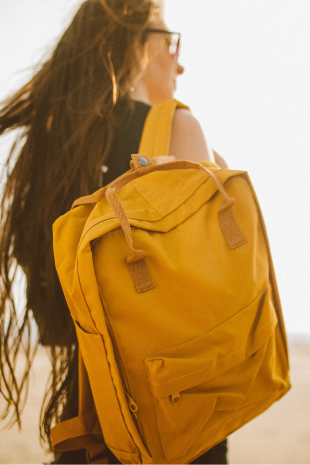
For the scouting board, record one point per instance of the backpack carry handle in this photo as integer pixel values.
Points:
(136, 260)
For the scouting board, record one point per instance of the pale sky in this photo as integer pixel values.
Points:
(247, 81)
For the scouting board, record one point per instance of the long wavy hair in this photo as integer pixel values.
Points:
(67, 117)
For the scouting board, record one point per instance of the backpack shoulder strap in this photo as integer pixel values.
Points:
(155, 140)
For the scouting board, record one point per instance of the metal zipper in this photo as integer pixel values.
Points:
(117, 354)
(131, 403)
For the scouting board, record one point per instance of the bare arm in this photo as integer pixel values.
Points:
(187, 139)
(219, 160)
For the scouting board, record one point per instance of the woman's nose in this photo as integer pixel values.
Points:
(180, 69)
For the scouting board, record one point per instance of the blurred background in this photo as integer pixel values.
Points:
(247, 73)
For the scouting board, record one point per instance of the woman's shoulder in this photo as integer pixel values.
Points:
(187, 138)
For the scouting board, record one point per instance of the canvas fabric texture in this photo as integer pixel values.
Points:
(169, 279)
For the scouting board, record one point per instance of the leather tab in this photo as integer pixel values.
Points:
(140, 275)
(163, 159)
(230, 229)
(139, 162)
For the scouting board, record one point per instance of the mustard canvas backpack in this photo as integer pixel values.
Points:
(168, 276)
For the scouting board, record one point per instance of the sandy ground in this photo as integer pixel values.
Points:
(279, 436)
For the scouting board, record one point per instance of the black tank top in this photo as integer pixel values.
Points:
(126, 142)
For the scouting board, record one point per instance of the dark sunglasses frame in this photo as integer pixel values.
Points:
(173, 47)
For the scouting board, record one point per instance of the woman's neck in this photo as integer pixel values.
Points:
(140, 93)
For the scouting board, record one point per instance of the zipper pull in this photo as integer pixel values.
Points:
(176, 398)
(132, 405)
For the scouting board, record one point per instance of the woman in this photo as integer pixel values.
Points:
(80, 117)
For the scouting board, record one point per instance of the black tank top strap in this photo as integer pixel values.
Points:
(126, 142)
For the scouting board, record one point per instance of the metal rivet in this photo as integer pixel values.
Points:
(142, 161)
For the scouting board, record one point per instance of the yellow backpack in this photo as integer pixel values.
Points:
(169, 279)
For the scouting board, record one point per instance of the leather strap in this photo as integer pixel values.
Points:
(136, 263)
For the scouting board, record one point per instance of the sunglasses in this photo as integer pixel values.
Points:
(173, 40)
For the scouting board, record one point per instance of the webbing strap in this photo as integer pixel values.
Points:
(77, 433)
(156, 135)
(82, 432)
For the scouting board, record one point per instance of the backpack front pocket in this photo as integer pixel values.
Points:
(213, 372)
